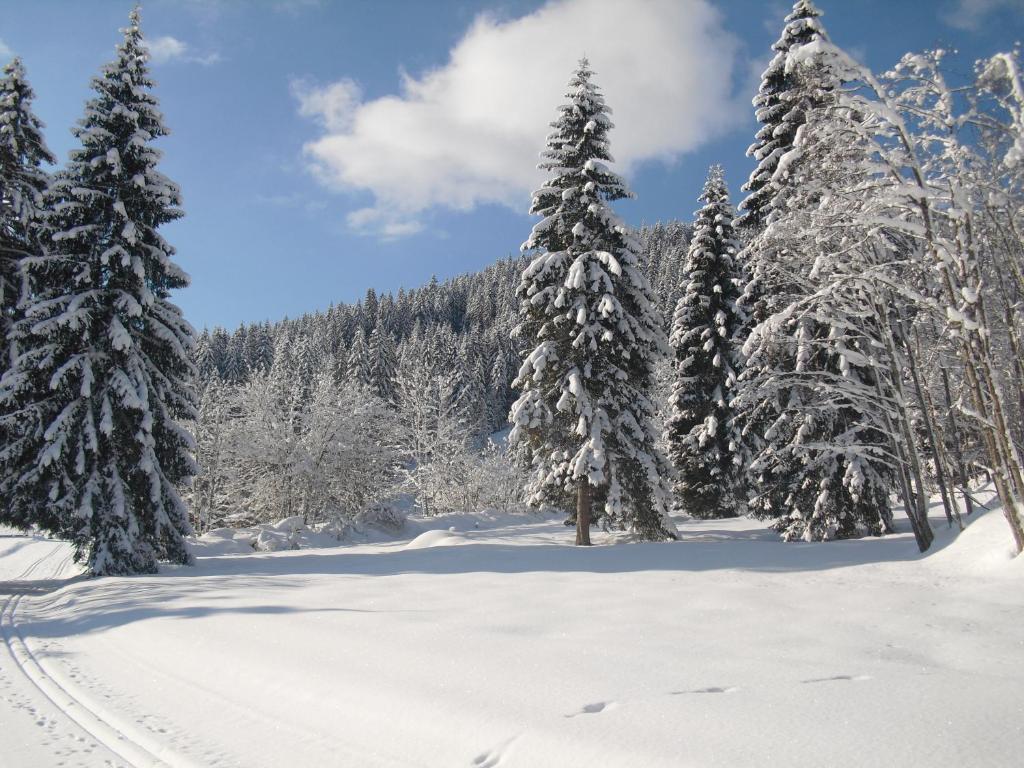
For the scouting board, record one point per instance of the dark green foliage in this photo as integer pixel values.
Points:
(706, 362)
(104, 380)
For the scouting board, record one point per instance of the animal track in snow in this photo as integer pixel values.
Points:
(854, 678)
(712, 689)
(493, 757)
(593, 709)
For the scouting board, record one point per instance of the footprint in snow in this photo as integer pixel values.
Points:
(593, 709)
(854, 678)
(493, 757)
(712, 689)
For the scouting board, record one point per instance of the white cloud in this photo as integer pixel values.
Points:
(333, 105)
(470, 131)
(970, 14)
(163, 49)
(166, 48)
(5, 50)
(385, 224)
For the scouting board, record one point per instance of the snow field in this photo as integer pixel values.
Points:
(513, 649)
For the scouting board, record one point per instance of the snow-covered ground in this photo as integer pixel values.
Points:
(497, 644)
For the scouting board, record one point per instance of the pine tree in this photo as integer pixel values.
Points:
(706, 362)
(383, 364)
(105, 375)
(816, 382)
(789, 97)
(774, 109)
(259, 348)
(584, 411)
(471, 385)
(358, 370)
(22, 182)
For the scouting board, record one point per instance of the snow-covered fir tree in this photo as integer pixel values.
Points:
(471, 384)
(383, 363)
(593, 335)
(789, 97)
(22, 182)
(706, 363)
(358, 368)
(104, 377)
(774, 105)
(823, 466)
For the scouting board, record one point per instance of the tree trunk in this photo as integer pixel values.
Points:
(584, 495)
(958, 454)
(917, 515)
(925, 403)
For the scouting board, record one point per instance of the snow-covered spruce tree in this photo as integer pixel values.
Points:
(774, 109)
(105, 373)
(22, 182)
(358, 369)
(821, 360)
(704, 327)
(584, 413)
(788, 98)
(383, 363)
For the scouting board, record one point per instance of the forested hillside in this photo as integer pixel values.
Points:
(444, 349)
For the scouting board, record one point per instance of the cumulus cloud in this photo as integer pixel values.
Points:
(469, 132)
(163, 49)
(969, 14)
(166, 48)
(332, 105)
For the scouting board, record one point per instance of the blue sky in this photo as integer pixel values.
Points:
(327, 147)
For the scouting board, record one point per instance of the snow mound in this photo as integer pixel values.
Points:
(377, 524)
(223, 541)
(984, 548)
(437, 538)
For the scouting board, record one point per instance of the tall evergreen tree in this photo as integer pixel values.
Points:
(774, 104)
(789, 98)
(383, 364)
(815, 384)
(706, 361)
(358, 369)
(471, 384)
(105, 376)
(22, 182)
(584, 411)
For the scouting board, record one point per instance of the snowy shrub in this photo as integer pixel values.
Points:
(382, 515)
(277, 446)
(495, 482)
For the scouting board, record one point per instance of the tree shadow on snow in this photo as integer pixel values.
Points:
(105, 604)
(699, 549)
(219, 585)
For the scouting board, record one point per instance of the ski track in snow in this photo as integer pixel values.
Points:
(74, 704)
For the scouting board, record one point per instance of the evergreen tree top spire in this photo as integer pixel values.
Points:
(21, 132)
(773, 108)
(715, 189)
(576, 153)
(802, 26)
(804, 9)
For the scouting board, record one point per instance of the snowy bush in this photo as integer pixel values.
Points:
(274, 447)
